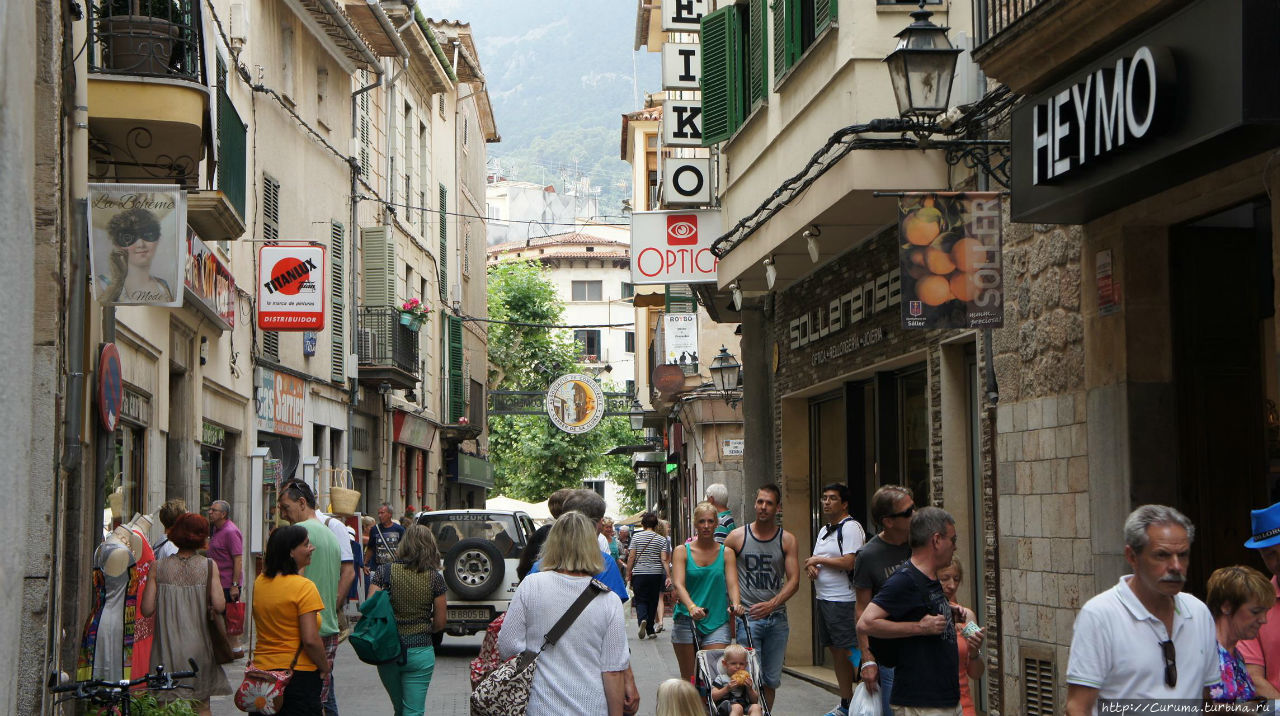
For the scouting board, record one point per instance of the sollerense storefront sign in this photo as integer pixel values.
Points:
(674, 247)
(291, 288)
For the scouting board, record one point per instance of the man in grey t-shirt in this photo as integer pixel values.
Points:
(891, 510)
(762, 575)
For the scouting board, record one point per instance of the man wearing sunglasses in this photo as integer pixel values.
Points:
(1145, 638)
(891, 510)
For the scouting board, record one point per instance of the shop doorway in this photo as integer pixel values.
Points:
(828, 463)
(1221, 289)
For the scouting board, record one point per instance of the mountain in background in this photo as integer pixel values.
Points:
(560, 75)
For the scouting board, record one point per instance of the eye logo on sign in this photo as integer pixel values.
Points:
(575, 403)
(682, 230)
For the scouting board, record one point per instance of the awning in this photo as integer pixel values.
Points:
(648, 459)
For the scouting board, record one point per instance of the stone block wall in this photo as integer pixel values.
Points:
(1043, 531)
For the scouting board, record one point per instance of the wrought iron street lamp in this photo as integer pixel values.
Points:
(636, 414)
(725, 372)
(922, 68)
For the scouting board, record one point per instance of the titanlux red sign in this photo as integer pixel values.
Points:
(291, 288)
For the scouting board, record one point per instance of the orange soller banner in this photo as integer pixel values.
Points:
(950, 255)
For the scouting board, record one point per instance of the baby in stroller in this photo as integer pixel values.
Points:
(732, 690)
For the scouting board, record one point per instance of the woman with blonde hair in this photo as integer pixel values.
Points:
(417, 592)
(564, 682)
(678, 697)
(971, 665)
(701, 592)
(1239, 599)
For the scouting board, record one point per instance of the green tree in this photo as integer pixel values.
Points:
(531, 457)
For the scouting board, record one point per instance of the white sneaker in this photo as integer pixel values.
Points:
(838, 711)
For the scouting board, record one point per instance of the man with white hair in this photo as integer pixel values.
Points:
(718, 495)
(1145, 638)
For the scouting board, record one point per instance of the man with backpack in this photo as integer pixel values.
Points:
(831, 569)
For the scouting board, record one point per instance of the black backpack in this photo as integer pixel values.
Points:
(888, 652)
(840, 543)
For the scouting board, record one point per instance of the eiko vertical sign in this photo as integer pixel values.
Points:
(291, 290)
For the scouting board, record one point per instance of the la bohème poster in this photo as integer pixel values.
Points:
(137, 243)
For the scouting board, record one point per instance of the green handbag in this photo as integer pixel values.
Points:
(375, 637)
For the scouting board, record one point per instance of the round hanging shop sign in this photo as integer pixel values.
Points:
(576, 403)
(110, 387)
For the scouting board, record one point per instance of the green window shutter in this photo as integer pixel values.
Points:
(337, 304)
(824, 13)
(795, 31)
(378, 249)
(457, 395)
(757, 53)
(232, 133)
(779, 39)
(443, 258)
(721, 82)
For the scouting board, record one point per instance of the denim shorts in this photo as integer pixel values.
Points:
(682, 632)
(769, 636)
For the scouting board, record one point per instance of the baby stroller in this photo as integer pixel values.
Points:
(707, 665)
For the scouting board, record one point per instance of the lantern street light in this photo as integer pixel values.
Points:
(922, 68)
(725, 373)
(636, 414)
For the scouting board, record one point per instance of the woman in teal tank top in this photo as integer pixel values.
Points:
(700, 586)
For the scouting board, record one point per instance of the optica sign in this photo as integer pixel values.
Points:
(291, 288)
(673, 247)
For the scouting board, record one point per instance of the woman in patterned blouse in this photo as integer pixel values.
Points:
(1239, 599)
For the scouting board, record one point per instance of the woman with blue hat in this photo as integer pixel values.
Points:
(1262, 654)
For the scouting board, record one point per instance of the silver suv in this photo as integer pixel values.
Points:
(481, 549)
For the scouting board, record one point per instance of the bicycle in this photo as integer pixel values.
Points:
(118, 696)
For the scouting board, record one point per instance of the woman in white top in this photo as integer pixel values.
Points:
(595, 643)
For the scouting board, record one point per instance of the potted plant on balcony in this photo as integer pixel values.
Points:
(414, 313)
(138, 35)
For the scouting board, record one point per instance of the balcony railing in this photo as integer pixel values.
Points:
(383, 342)
(997, 15)
(146, 38)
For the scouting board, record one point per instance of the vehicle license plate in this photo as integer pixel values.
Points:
(468, 613)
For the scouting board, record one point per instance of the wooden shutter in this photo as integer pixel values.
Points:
(779, 40)
(721, 82)
(337, 304)
(232, 134)
(365, 140)
(794, 31)
(378, 249)
(457, 399)
(757, 54)
(443, 258)
(271, 345)
(824, 14)
(270, 209)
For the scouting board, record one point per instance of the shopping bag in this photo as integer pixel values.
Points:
(235, 618)
(864, 703)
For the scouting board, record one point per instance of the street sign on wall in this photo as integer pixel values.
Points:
(674, 246)
(950, 260)
(281, 399)
(110, 387)
(291, 288)
(680, 338)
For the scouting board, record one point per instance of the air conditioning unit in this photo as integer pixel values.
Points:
(367, 344)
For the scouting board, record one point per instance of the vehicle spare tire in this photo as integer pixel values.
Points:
(474, 568)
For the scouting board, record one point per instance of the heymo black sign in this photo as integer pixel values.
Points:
(1192, 94)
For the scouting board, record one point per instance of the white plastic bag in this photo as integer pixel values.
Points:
(864, 703)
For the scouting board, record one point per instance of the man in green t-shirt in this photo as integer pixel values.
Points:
(297, 504)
